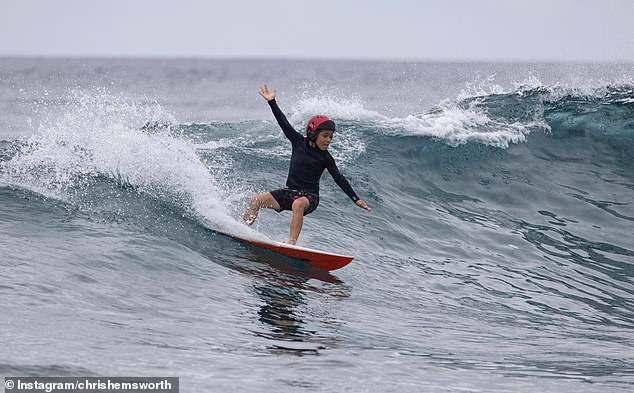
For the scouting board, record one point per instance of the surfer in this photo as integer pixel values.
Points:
(309, 158)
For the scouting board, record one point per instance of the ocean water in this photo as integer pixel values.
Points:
(499, 256)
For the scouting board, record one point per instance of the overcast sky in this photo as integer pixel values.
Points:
(366, 29)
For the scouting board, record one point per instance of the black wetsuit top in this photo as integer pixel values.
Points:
(307, 162)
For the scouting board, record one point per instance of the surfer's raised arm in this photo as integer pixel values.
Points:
(287, 128)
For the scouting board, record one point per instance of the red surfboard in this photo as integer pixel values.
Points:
(320, 259)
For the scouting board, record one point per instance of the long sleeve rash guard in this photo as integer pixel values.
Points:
(307, 162)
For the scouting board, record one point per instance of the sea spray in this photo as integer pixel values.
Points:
(102, 134)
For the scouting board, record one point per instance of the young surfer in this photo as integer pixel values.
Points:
(309, 158)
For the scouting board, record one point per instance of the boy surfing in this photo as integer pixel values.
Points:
(309, 158)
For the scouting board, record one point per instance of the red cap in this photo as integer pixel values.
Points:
(315, 122)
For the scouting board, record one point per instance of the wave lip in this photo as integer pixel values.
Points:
(100, 134)
(488, 114)
(457, 126)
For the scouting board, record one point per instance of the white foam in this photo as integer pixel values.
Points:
(480, 87)
(449, 122)
(99, 133)
(457, 126)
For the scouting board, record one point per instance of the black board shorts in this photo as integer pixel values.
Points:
(286, 196)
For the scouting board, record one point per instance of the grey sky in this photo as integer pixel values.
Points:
(367, 29)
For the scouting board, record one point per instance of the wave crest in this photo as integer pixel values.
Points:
(100, 134)
(486, 113)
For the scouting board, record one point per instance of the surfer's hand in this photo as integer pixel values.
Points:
(268, 95)
(361, 203)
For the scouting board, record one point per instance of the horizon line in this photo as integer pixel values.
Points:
(310, 58)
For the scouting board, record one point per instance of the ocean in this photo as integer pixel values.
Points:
(499, 256)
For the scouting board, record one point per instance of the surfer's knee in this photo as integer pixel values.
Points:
(300, 205)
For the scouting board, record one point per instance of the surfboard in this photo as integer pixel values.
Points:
(316, 258)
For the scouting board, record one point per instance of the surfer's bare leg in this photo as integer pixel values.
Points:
(255, 203)
(299, 207)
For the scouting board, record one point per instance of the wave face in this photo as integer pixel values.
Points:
(499, 248)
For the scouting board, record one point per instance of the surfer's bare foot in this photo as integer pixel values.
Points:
(248, 220)
(291, 241)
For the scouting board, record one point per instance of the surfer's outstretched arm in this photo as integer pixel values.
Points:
(343, 183)
(287, 128)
